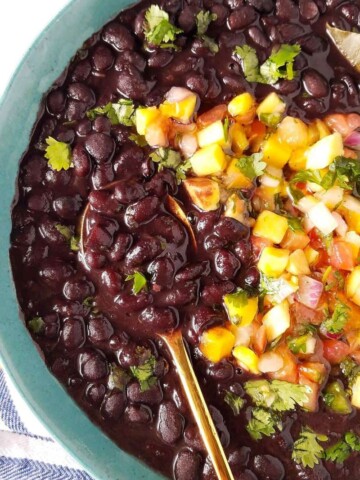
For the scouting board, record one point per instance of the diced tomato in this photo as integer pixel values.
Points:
(259, 339)
(335, 351)
(314, 371)
(294, 240)
(259, 243)
(341, 255)
(316, 241)
(303, 314)
(289, 372)
(212, 115)
(256, 133)
(313, 391)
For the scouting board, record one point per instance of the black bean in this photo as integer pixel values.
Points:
(191, 272)
(99, 329)
(220, 425)
(230, 229)
(160, 59)
(170, 423)
(213, 294)
(312, 44)
(57, 179)
(99, 237)
(221, 372)
(95, 393)
(262, 6)
(82, 93)
(111, 280)
(68, 207)
(234, 4)
(127, 163)
(143, 251)
(158, 319)
(102, 125)
(56, 101)
(197, 83)
(32, 172)
(120, 246)
(78, 289)
(73, 333)
(162, 183)
(289, 31)
(54, 271)
(113, 405)
(50, 233)
(132, 84)
(94, 259)
(314, 83)
(141, 212)
(130, 57)
(102, 58)
(308, 9)
(92, 365)
(179, 295)
(286, 10)
(193, 438)
(187, 465)
(238, 459)
(118, 36)
(162, 272)
(351, 13)
(103, 175)
(38, 202)
(226, 264)
(220, 11)
(251, 278)
(241, 18)
(127, 192)
(133, 303)
(75, 110)
(258, 37)
(100, 146)
(206, 222)
(187, 18)
(313, 107)
(268, 467)
(138, 414)
(243, 251)
(151, 396)
(81, 71)
(139, 24)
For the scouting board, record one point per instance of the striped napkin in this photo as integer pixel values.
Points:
(26, 450)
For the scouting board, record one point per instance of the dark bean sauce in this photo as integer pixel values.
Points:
(130, 226)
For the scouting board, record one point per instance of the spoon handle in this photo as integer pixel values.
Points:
(176, 346)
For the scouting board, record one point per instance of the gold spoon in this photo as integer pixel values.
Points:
(175, 344)
(348, 44)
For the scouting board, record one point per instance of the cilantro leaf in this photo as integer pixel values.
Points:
(350, 369)
(138, 139)
(345, 172)
(280, 64)
(262, 423)
(168, 158)
(338, 452)
(234, 401)
(139, 282)
(338, 320)
(294, 223)
(278, 395)
(249, 63)
(252, 166)
(312, 176)
(74, 243)
(121, 112)
(67, 234)
(203, 20)
(277, 288)
(36, 325)
(58, 154)
(307, 450)
(144, 373)
(118, 378)
(158, 29)
(234, 303)
(298, 344)
(88, 302)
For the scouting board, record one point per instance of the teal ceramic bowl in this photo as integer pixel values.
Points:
(43, 63)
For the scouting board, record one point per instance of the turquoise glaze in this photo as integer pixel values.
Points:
(43, 63)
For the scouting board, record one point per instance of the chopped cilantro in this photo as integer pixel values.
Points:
(67, 234)
(312, 176)
(294, 223)
(338, 282)
(234, 401)
(58, 154)
(262, 423)
(139, 282)
(118, 378)
(203, 20)
(307, 450)
(234, 303)
(74, 243)
(350, 369)
(278, 66)
(298, 344)
(345, 172)
(88, 302)
(168, 158)
(121, 112)
(158, 29)
(144, 373)
(278, 395)
(36, 325)
(138, 139)
(251, 166)
(277, 288)
(338, 320)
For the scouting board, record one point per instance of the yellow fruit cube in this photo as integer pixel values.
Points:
(276, 153)
(298, 264)
(312, 255)
(352, 286)
(270, 225)
(239, 140)
(332, 197)
(213, 133)
(353, 239)
(203, 192)
(208, 160)
(297, 160)
(293, 132)
(322, 128)
(145, 117)
(181, 111)
(271, 109)
(247, 359)
(241, 104)
(217, 343)
(355, 388)
(277, 321)
(350, 209)
(234, 178)
(324, 152)
(241, 309)
(273, 261)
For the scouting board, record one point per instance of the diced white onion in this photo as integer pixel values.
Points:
(305, 204)
(310, 345)
(188, 144)
(243, 335)
(269, 181)
(321, 217)
(177, 94)
(270, 362)
(274, 172)
(342, 226)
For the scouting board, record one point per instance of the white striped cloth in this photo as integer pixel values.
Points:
(27, 452)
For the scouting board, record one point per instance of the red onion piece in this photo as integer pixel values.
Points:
(353, 140)
(310, 291)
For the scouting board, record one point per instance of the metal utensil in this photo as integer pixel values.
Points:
(348, 44)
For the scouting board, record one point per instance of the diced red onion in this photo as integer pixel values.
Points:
(310, 291)
(342, 227)
(333, 336)
(353, 140)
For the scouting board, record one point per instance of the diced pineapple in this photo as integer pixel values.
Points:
(241, 104)
(332, 197)
(353, 239)
(277, 321)
(297, 160)
(239, 140)
(182, 110)
(235, 207)
(213, 133)
(352, 286)
(145, 117)
(234, 178)
(350, 209)
(240, 308)
(247, 359)
(321, 217)
(355, 397)
(208, 160)
(271, 109)
(298, 264)
(273, 261)
(217, 343)
(295, 239)
(293, 132)
(313, 133)
(322, 128)
(324, 152)
(271, 226)
(312, 255)
(203, 192)
(276, 153)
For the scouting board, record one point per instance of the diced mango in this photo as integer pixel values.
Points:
(241, 104)
(355, 397)
(203, 192)
(247, 359)
(241, 309)
(276, 153)
(295, 239)
(213, 133)
(217, 343)
(234, 178)
(271, 226)
(313, 133)
(277, 321)
(208, 160)
(352, 286)
(239, 140)
(297, 160)
(235, 207)
(145, 117)
(322, 128)
(353, 239)
(350, 209)
(298, 264)
(273, 261)
(293, 132)
(332, 197)
(312, 255)
(324, 152)
(271, 109)
(181, 111)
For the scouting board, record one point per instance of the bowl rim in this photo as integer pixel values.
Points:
(19, 355)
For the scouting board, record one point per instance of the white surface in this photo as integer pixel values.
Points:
(21, 21)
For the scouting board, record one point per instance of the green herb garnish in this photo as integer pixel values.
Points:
(144, 373)
(36, 325)
(58, 154)
(307, 450)
(158, 29)
(139, 282)
(251, 166)
(338, 320)
(168, 158)
(118, 378)
(67, 234)
(263, 423)
(234, 401)
(340, 451)
(278, 395)
(203, 20)
(122, 112)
